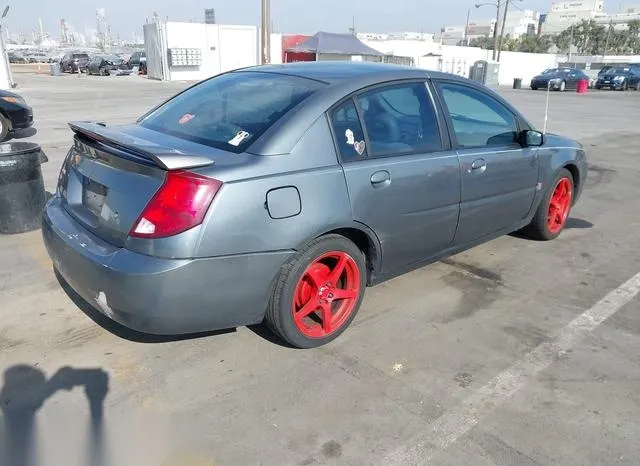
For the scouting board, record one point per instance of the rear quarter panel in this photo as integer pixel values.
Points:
(238, 221)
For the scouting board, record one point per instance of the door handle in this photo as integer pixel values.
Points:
(380, 177)
(478, 165)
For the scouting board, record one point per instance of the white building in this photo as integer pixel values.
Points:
(564, 14)
(519, 23)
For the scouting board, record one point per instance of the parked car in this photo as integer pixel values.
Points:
(14, 114)
(17, 59)
(280, 192)
(620, 79)
(38, 57)
(74, 62)
(137, 58)
(559, 79)
(106, 65)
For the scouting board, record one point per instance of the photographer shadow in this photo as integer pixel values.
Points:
(23, 393)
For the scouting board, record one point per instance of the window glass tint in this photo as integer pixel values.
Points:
(348, 129)
(400, 119)
(230, 111)
(478, 119)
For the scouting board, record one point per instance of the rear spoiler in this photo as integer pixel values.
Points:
(162, 156)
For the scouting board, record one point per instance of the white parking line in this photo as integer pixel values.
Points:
(456, 422)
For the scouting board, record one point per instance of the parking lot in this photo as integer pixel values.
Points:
(515, 352)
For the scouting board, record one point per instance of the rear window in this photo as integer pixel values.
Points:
(232, 110)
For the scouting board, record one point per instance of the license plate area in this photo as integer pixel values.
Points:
(93, 196)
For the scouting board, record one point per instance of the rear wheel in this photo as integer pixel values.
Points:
(553, 212)
(638, 86)
(563, 86)
(318, 292)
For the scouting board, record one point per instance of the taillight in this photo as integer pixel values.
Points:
(180, 204)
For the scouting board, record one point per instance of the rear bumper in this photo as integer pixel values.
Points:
(156, 295)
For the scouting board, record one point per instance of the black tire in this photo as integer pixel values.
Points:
(104, 72)
(4, 128)
(534, 88)
(638, 86)
(563, 86)
(279, 316)
(539, 227)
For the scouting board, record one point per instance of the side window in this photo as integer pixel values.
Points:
(348, 129)
(478, 119)
(400, 119)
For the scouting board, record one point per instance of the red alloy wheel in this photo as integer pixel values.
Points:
(559, 205)
(326, 294)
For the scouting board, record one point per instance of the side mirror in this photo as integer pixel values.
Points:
(532, 138)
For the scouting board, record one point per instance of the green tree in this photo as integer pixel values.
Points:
(534, 44)
(485, 43)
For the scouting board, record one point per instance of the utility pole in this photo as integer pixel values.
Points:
(266, 32)
(570, 42)
(495, 31)
(504, 21)
(466, 28)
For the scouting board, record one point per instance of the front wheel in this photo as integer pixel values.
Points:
(318, 292)
(553, 212)
(563, 86)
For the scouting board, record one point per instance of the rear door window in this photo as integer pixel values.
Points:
(400, 119)
(232, 110)
(348, 131)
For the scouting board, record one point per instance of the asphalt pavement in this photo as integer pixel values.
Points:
(516, 352)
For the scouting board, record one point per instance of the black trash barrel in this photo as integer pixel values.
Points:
(22, 194)
(517, 83)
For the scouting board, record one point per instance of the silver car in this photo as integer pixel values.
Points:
(279, 193)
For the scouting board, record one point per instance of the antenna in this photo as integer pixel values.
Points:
(546, 108)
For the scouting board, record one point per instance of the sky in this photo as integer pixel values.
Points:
(289, 16)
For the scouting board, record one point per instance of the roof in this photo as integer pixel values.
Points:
(333, 72)
(337, 44)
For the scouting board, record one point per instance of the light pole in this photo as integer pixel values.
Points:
(495, 29)
(266, 32)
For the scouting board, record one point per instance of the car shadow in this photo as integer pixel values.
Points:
(572, 224)
(24, 391)
(123, 332)
(263, 331)
(578, 224)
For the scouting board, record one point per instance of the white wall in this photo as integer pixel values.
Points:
(237, 47)
(223, 48)
(458, 60)
(198, 36)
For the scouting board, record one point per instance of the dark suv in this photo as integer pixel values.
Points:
(74, 62)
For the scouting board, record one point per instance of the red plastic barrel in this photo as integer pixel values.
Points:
(583, 85)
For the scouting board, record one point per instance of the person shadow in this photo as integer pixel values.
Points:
(24, 391)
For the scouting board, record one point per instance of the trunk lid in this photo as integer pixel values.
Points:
(110, 175)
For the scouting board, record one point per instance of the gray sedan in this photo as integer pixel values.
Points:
(279, 193)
